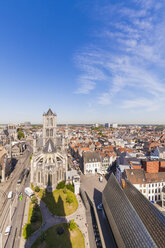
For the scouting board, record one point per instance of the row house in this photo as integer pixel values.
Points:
(125, 161)
(5, 164)
(91, 162)
(107, 160)
(158, 153)
(149, 184)
(18, 149)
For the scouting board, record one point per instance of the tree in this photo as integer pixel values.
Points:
(34, 199)
(70, 187)
(20, 134)
(37, 189)
(69, 198)
(42, 236)
(72, 225)
(60, 185)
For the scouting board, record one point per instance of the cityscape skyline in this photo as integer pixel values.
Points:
(103, 60)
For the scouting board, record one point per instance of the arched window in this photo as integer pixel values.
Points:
(51, 132)
(47, 132)
(38, 177)
(46, 181)
(47, 122)
(51, 121)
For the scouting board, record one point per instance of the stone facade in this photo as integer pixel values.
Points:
(49, 162)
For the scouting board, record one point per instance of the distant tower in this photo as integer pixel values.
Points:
(49, 127)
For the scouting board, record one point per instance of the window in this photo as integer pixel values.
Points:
(51, 132)
(144, 185)
(155, 190)
(38, 177)
(51, 121)
(155, 184)
(149, 191)
(47, 132)
(149, 185)
(144, 191)
(149, 198)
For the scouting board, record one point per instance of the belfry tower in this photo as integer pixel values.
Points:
(49, 127)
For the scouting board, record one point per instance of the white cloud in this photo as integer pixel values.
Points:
(134, 57)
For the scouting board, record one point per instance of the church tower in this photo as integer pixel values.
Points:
(49, 127)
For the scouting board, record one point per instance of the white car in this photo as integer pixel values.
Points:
(10, 195)
(8, 229)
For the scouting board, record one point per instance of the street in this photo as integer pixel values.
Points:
(94, 188)
(11, 210)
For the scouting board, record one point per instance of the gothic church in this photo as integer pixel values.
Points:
(49, 160)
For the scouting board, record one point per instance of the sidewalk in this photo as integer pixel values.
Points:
(50, 220)
(25, 220)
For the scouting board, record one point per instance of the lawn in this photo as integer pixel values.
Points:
(34, 220)
(69, 239)
(60, 202)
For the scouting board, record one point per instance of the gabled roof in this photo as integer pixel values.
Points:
(49, 113)
(151, 217)
(49, 147)
(128, 229)
(161, 149)
(91, 157)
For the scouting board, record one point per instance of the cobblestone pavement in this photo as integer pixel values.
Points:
(94, 189)
(50, 220)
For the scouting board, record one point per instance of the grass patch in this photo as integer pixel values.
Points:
(34, 220)
(60, 202)
(69, 239)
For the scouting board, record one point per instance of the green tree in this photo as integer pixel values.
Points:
(69, 198)
(61, 185)
(72, 225)
(70, 187)
(20, 134)
(34, 199)
(42, 236)
(37, 189)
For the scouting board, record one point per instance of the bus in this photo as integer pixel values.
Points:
(28, 191)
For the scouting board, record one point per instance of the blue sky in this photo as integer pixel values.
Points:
(90, 61)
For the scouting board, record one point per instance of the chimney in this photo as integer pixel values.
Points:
(123, 183)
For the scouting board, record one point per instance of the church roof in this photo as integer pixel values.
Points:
(49, 147)
(131, 222)
(49, 112)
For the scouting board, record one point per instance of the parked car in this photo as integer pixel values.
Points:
(101, 179)
(8, 229)
(10, 195)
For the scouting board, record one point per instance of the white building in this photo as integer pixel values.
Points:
(149, 184)
(91, 162)
(114, 125)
